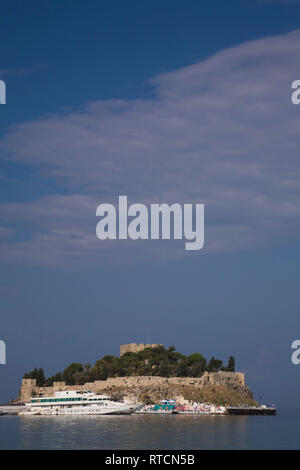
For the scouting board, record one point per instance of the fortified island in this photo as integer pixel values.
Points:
(147, 373)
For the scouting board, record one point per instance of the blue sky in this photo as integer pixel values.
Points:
(165, 102)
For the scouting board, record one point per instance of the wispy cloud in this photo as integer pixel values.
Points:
(20, 71)
(222, 131)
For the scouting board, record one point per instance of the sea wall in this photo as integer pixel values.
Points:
(137, 387)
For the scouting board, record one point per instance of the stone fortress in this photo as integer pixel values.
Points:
(214, 387)
(134, 386)
(136, 347)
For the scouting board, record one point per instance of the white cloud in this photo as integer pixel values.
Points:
(222, 131)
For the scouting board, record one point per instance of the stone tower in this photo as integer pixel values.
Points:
(136, 347)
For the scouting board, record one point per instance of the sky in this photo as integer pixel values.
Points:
(186, 102)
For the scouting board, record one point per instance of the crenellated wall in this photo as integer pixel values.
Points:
(230, 380)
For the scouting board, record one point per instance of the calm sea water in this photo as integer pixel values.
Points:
(152, 432)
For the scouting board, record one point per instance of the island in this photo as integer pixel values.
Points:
(147, 373)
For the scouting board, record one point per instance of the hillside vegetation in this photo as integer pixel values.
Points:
(157, 361)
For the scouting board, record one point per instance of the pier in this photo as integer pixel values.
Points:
(11, 409)
(251, 410)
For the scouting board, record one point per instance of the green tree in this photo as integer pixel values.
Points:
(54, 378)
(231, 364)
(157, 361)
(69, 374)
(214, 365)
(37, 374)
(182, 368)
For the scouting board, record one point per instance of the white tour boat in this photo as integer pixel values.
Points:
(75, 402)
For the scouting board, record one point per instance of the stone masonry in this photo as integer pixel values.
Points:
(135, 347)
(135, 383)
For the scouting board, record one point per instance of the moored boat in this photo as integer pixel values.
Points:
(75, 402)
(262, 410)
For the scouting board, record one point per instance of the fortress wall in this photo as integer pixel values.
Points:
(136, 347)
(228, 379)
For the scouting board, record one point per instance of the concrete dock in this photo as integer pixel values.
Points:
(11, 409)
(252, 410)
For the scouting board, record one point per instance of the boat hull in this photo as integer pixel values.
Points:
(125, 411)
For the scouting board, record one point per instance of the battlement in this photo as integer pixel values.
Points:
(139, 384)
(136, 347)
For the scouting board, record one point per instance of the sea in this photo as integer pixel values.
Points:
(161, 432)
